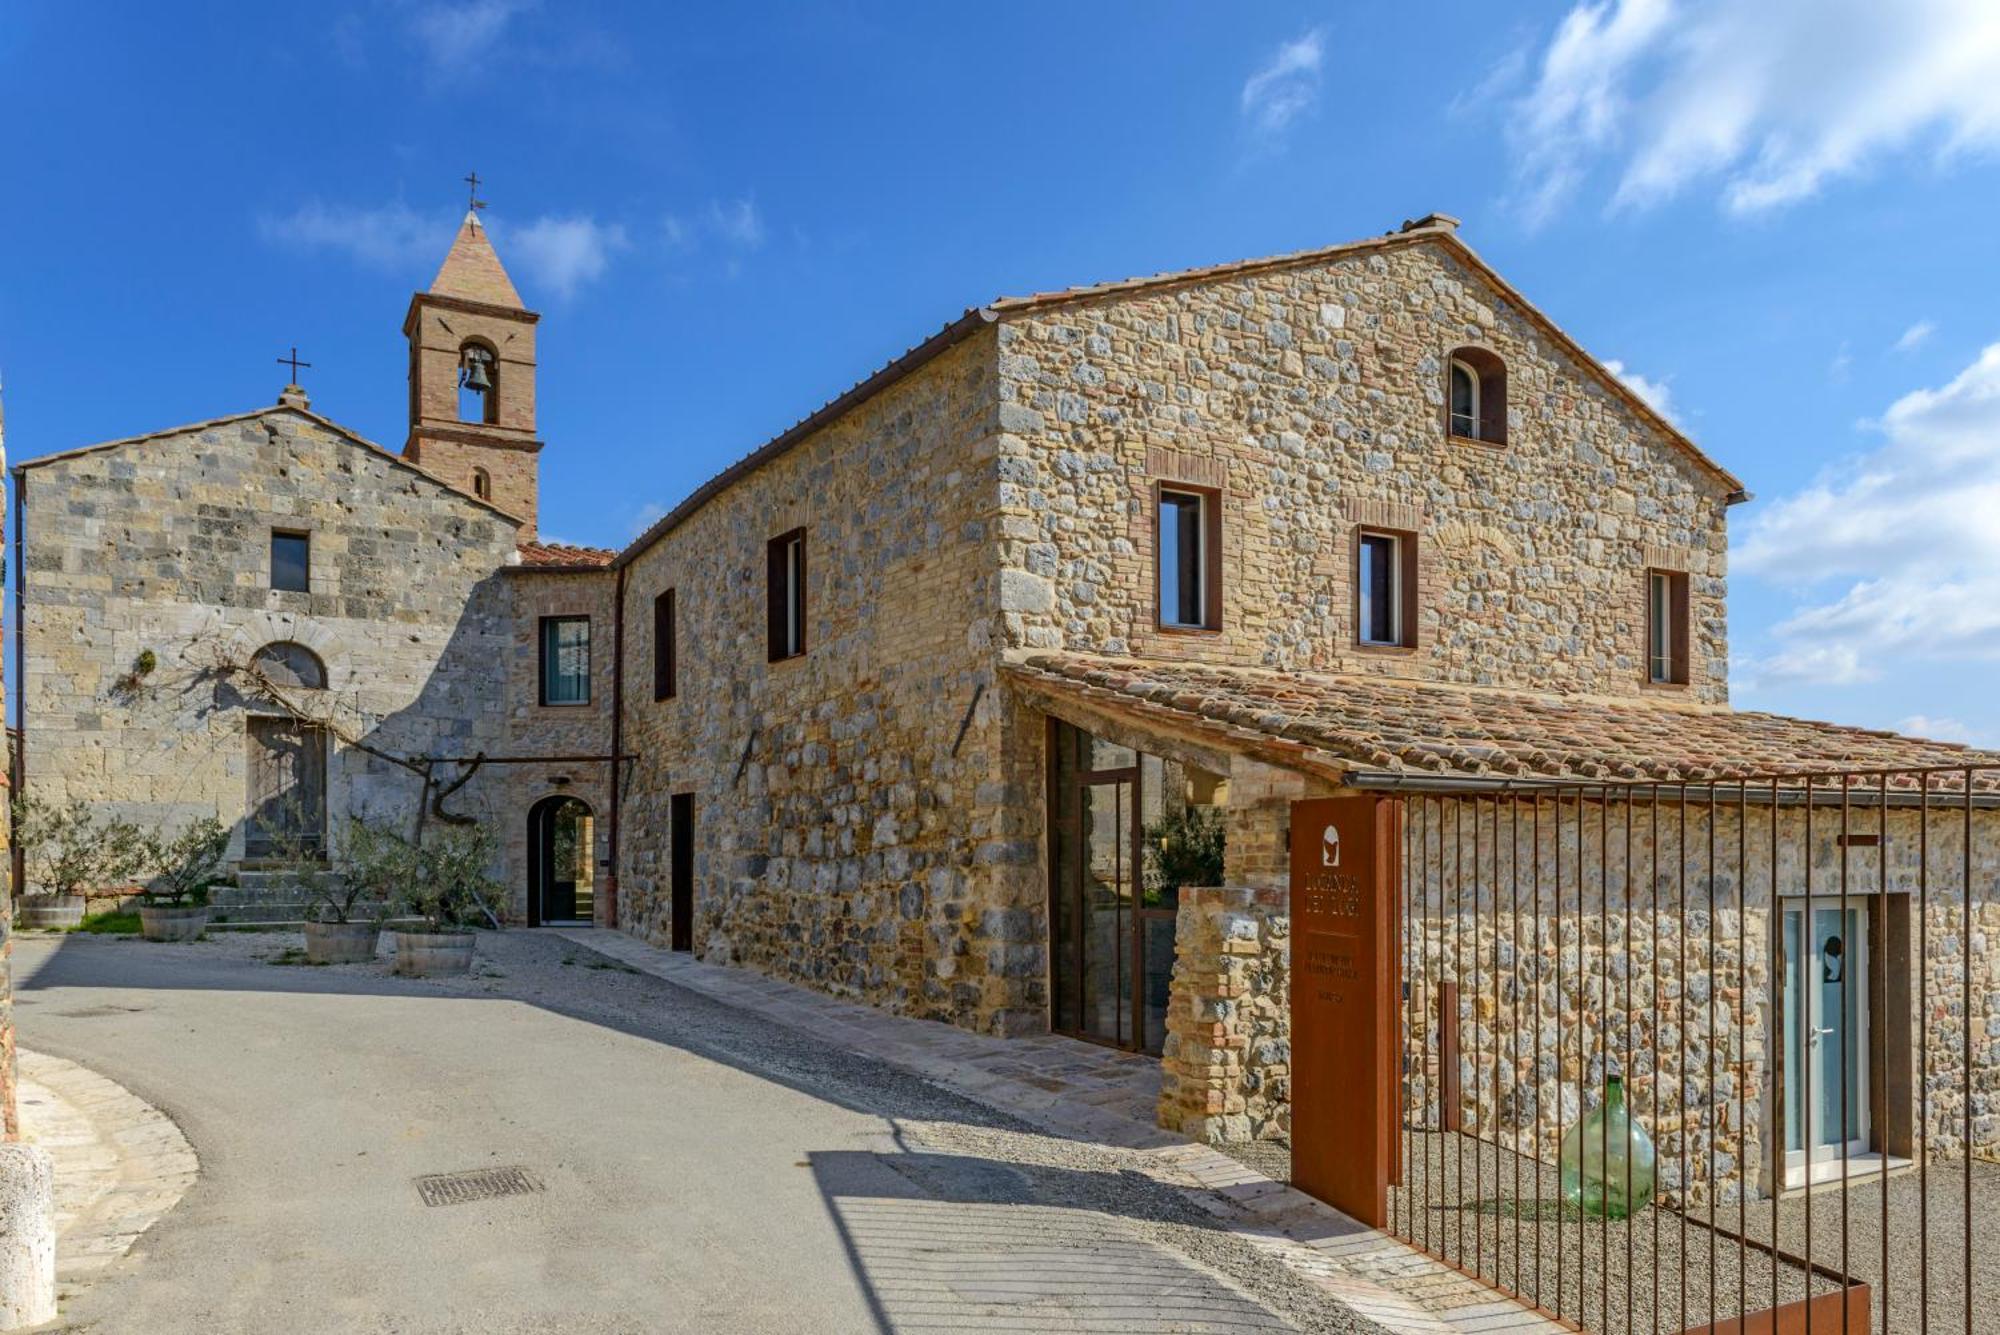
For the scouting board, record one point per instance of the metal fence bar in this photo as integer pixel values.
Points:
(1965, 1003)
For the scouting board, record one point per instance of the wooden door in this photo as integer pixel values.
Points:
(682, 855)
(287, 789)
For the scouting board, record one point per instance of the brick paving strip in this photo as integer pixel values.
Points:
(121, 1163)
(1080, 1091)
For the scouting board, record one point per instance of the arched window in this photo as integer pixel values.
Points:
(1476, 396)
(287, 663)
(478, 384)
(482, 484)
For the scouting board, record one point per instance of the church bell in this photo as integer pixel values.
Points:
(475, 375)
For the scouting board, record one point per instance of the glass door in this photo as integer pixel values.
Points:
(1826, 1038)
(1107, 908)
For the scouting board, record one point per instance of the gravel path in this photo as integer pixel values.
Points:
(1654, 1272)
(952, 1216)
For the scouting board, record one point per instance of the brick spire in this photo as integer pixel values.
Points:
(472, 271)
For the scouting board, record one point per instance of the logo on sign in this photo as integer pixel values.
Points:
(1329, 847)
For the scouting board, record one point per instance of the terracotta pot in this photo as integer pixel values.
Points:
(433, 954)
(341, 942)
(173, 922)
(48, 911)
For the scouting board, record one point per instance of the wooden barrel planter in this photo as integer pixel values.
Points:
(433, 954)
(173, 922)
(341, 942)
(58, 911)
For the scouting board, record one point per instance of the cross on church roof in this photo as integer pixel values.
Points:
(293, 362)
(473, 201)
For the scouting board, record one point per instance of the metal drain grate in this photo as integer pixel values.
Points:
(477, 1184)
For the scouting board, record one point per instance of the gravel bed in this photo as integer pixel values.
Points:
(1653, 1272)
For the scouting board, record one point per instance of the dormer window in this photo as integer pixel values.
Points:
(1476, 396)
(478, 384)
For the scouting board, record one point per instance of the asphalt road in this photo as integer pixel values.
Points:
(702, 1169)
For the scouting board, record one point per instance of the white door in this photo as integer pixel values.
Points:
(1826, 1036)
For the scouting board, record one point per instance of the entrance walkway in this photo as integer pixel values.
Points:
(1080, 1091)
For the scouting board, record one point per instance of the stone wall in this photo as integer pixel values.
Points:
(162, 544)
(1313, 398)
(865, 814)
(1672, 979)
(1227, 1064)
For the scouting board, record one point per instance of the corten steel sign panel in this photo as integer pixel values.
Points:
(1344, 877)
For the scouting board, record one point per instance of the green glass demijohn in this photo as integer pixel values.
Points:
(1607, 1159)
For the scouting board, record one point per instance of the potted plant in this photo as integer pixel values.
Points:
(69, 852)
(174, 904)
(446, 884)
(344, 907)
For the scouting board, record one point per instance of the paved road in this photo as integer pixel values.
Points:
(704, 1170)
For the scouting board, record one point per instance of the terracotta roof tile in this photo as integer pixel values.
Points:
(561, 555)
(1406, 727)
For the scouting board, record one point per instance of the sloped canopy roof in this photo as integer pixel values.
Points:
(472, 270)
(1347, 726)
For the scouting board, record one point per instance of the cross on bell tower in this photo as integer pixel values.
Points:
(472, 374)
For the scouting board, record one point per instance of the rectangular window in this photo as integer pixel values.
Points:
(291, 561)
(785, 566)
(1667, 627)
(1385, 588)
(1188, 556)
(565, 660)
(664, 666)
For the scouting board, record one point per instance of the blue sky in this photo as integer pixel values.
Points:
(1775, 217)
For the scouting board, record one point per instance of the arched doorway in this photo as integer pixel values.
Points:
(561, 861)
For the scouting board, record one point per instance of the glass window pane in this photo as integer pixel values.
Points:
(566, 661)
(290, 556)
(1378, 589)
(1660, 629)
(1182, 557)
(1464, 402)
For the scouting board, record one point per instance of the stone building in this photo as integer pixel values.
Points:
(400, 601)
(984, 692)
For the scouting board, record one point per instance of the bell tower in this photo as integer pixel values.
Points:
(472, 378)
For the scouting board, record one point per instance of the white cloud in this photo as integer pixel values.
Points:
(737, 222)
(561, 255)
(1892, 556)
(1768, 102)
(1286, 87)
(734, 225)
(1915, 336)
(556, 254)
(1801, 665)
(643, 518)
(1936, 729)
(393, 236)
(1656, 393)
(458, 38)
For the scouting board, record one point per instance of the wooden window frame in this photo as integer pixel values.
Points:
(1680, 642)
(271, 554)
(1211, 559)
(785, 618)
(1407, 589)
(542, 629)
(1489, 396)
(666, 661)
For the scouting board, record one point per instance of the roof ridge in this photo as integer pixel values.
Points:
(346, 433)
